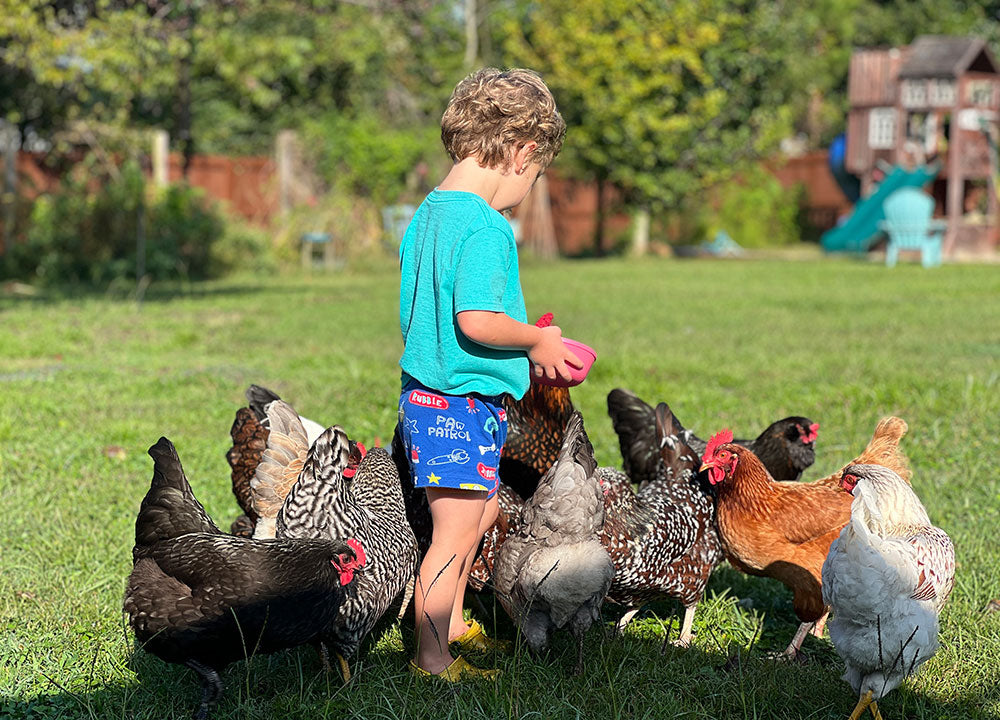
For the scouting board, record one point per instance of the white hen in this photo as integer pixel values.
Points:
(886, 578)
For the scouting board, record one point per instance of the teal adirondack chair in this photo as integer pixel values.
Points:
(910, 227)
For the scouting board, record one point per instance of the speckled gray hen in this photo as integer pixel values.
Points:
(663, 540)
(552, 572)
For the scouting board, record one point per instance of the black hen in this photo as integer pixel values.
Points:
(786, 447)
(204, 599)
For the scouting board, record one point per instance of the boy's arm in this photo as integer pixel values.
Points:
(544, 345)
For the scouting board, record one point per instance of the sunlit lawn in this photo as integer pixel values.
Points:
(88, 383)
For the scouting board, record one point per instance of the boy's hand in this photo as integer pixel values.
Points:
(549, 355)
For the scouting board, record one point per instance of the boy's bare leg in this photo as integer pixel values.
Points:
(457, 515)
(458, 625)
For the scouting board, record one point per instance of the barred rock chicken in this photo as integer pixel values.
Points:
(786, 447)
(249, 434)
(663, 539)
(552, 571)
(783, 530)
(370, 508)
(204, 599)
(886, 578)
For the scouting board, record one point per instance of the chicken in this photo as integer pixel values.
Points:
(886, 578)
(552, 572)
(249, 434)
(204, 599)
(663, 539)
(535, 427)
(786, 446)
(321, 504)
(783, 530)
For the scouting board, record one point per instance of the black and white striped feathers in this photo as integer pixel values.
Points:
(370, 508)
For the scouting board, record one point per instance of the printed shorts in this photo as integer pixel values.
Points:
(452, 441)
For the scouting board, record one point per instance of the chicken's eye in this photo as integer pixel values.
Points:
(723, 455)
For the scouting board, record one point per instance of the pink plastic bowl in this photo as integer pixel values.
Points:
(587, 357)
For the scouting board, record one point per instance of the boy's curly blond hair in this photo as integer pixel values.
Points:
(492, 112)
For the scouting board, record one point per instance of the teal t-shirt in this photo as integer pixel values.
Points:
(458, 254)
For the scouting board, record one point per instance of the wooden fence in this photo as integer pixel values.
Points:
(248, 188)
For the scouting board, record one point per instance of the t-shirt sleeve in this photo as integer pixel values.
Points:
(481, 271)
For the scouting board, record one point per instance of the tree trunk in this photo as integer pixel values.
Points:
(640, 232)
(11, 138)
(601, 211)
(471, 35)
(538, 232)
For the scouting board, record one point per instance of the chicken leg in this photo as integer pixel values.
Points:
(865, 701)
(211, 688)
(685, 637)
(792, 651)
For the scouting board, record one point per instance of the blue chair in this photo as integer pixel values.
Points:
(909, 226)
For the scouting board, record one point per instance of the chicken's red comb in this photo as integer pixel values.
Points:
(359, 551)
(544, 321)
(720, 438)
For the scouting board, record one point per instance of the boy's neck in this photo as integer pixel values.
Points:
(469, 176)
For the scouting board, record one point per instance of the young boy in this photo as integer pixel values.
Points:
(466, 339)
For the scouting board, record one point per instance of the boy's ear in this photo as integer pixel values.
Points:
(522, 156)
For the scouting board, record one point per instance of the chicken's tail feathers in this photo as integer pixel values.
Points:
(635, 425)
(883, 449)
(249, 442)
(677, 455)
(280, 463)
(170, 508)
(576, 445)
(259, 398)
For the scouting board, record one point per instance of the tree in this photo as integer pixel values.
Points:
(662, 99)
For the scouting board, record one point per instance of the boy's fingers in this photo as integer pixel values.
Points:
(564, 372)
(572, 359)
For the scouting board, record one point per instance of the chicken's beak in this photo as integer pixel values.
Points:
(706, 465)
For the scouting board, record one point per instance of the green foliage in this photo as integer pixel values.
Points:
(651, 92)
(365, 156)
(755, 210)
(88, 232)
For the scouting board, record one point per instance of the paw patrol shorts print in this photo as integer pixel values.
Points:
(452, 441)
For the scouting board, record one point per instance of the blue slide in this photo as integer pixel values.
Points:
(860, 230)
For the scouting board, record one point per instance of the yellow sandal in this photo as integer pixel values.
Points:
(476, 640)
(456, 672)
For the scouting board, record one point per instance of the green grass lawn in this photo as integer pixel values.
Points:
(726, 343)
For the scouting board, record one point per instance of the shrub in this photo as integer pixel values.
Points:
(90, 230)
(755, 210)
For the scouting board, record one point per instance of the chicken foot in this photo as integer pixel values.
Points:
(792, 651)
(211, 688)
(625, 620)
(865, 701)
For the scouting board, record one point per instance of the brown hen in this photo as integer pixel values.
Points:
(783, 530)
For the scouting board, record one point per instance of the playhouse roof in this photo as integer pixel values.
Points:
(947, 56)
